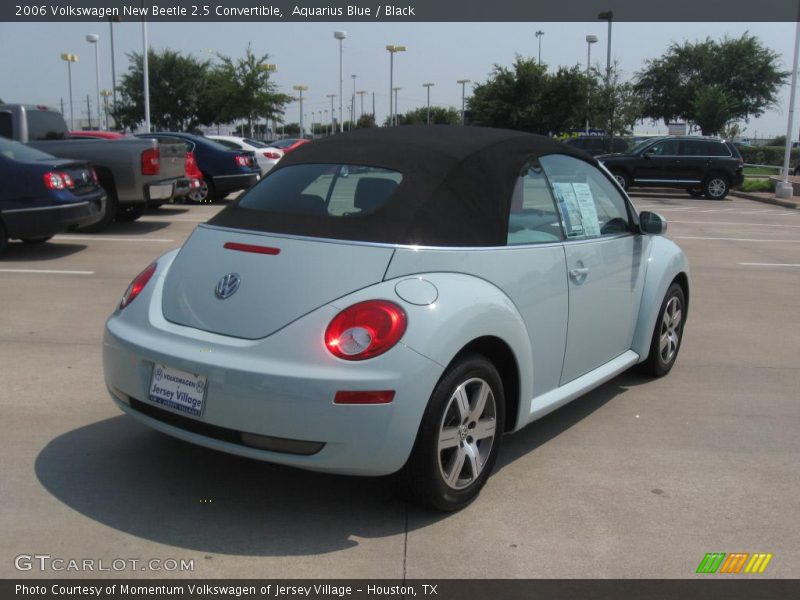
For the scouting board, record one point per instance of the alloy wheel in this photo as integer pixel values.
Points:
(670, 333)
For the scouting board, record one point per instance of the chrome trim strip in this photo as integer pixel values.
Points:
(70, 205)
(669, 180)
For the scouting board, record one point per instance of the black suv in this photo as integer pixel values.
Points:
(700, 165)
(599, 144)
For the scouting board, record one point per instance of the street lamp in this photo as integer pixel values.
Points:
(607, 16)
(361, 96)
(340, 35)
(146, 73)
(392, 48)
(784, 189)
(105, 94)
(353, 103)
(325, 123)
(70, 58)
(301, 89)
(429, 85)
(590, 39)
(113, 68)
(93, 38)
(463, 83)
(539, 35)
(395, 90)
(333, 113)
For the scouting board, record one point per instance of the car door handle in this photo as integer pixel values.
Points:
(579, 272)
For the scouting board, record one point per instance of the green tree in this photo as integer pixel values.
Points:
(365, 120)
(712, 109)
(743, 69)
(178, 84)
(439, 116)
(614, 105)
(242, 89)
(528, 98)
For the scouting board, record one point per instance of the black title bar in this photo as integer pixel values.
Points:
(276, 11)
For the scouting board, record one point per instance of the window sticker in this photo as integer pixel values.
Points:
(585, 200)
(568, 205)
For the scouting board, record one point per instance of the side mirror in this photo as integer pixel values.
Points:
(651, 223)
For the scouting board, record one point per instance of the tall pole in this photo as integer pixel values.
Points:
(301, 89)
(590, 39)
(70, 58)
(396, 113)
(539, 35)
(361, 97)
(113, 65)
(333, 113)
(94, 39)
(340, 35)
(353, 103)
(428, 85)
(146, 70)
(463, 83)
(89, 110)
(784, 189)
(392, 48)
(105, 94)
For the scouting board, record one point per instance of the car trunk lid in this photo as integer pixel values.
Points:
(279, 279)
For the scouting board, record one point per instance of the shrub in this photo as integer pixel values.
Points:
(767, 155)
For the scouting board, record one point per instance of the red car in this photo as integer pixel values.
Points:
(289, 144)
(102, 135)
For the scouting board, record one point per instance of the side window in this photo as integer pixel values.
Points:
(694, 148)
(665, 148)
(717, 149)
(589, 204)
(533, 218)
(5, 124)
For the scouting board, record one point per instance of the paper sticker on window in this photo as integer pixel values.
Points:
(570, 211)
(583, 194)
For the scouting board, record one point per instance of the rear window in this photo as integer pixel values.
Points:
(323, 190)
(21, 152)
(46, 125)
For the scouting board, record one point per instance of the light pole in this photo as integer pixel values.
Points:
(590, 39)
(607, 16)
(784, 189)
(301, 89)
(113, 68)
(267, 68)
(395, 90)
(539, 35)
(333, 113)
(463, 83)
(325, 126)
(353, 102)
(105, 94)
(70, 58)
(340, 35)
(361, 97)
(93, 38)
(428, 85)
(313, 117)
(392, 48)
(146, 72)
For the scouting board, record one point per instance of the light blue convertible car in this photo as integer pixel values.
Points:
(395, 301)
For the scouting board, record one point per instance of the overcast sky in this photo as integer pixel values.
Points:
(307, 53)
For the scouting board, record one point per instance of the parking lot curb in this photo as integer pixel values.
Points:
(766, 199)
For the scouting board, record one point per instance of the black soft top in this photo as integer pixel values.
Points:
(456, 189)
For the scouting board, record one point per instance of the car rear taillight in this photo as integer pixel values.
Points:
(58, 181)
(365, 330)
(242, 160)
(137, 285)
(151, 161)
(190, 166)
(94, 175)
(272, 155)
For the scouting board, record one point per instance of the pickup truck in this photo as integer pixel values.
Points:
(133, 171)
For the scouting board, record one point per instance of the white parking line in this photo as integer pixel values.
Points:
(97, 238)
(47, 271)
(740, 223)
(171, 219)
(728, 239)
(746, 264)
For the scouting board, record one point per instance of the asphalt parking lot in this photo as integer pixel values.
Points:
(640, 478)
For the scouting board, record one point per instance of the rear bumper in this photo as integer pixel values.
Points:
(49, 220)
(279, 388)
(226, 184)
(164, 191)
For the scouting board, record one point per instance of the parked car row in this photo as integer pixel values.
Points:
(62, 180)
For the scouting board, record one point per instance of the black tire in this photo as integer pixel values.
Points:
(662, 356)
(695, 192)
(3, 238)
(128, 213)
(446, 479)
(205, 194)
(155, 205)
(112, 205)
(622, 179)
(716, 186)
(37, 240)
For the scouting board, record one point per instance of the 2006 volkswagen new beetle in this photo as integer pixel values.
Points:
(396, 301)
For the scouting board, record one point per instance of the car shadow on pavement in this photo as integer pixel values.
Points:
(136, 227)
(136, 480)
(171, 210)
(22, 252)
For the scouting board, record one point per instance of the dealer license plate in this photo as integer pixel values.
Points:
(178, 390)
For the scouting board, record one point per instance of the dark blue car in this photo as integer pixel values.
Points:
(42, 195)
(224, 170)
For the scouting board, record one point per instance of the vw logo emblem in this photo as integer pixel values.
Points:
(227, 286)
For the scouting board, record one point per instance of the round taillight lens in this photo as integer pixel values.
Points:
(137, 285)
(365, 330)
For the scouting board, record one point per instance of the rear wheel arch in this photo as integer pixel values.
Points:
(499, 353)
(682, 280)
